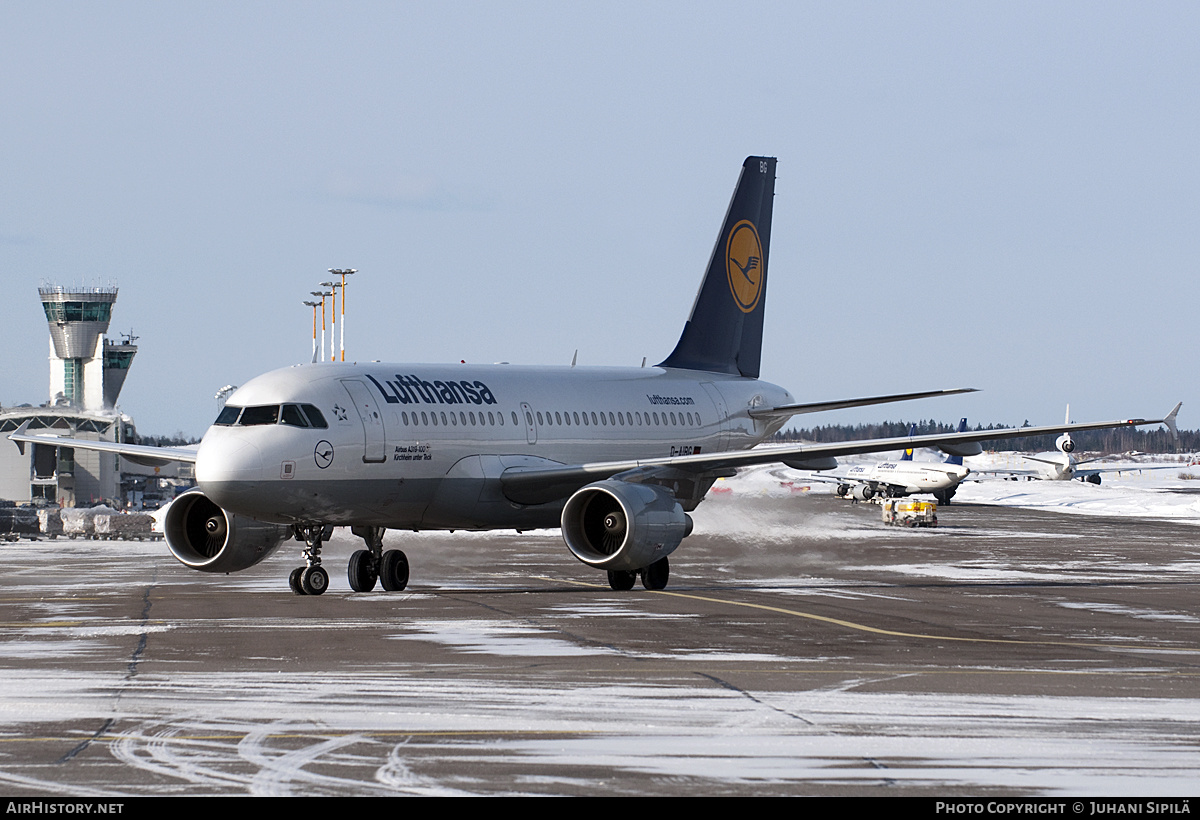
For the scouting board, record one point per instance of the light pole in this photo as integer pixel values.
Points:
(332, 319)
(314, 305)
(343, 272)
(322, 294)
(223, 394)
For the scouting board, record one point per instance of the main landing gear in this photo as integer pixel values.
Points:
(653, 577)
(373, 564)
(365, 569)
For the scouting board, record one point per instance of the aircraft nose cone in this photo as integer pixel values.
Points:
(227, 458)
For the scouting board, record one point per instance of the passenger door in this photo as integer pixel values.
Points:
(374, 445)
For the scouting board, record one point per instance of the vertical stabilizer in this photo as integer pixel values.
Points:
(1170, 422)
(908, 452)
(962, 428)
(724, 332)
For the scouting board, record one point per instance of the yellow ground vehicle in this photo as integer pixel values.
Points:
(907, 512)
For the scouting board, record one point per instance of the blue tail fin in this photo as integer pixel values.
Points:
(724, 332)
(962, 428)
(912, 431)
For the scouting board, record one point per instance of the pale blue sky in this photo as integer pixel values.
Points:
(998, 195)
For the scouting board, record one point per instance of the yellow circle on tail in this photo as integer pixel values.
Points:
(744, 265)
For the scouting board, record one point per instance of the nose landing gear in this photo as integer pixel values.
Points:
(311, 579)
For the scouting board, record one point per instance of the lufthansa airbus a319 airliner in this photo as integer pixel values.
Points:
(615, 457)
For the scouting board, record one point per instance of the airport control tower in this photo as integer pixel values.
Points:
(87, 370)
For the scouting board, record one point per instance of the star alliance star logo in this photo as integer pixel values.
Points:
(340, 412)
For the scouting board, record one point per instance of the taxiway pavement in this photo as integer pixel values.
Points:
(801, 647)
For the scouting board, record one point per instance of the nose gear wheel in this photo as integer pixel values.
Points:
(311, 579)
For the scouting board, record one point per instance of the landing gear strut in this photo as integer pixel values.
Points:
(311, 579)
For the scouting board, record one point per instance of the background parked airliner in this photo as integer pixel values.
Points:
(616, 457)
(903, 477)
(1062, 465)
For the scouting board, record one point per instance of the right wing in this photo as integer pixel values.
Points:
(540, 484)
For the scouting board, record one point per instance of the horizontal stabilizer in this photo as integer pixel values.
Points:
(788, 410)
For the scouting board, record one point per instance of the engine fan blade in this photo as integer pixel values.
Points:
(216, 531)
(615, 527)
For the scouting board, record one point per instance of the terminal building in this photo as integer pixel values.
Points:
(87, 372)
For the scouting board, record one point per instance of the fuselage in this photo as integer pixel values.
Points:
(910, 477)
(1059, 465)
(419, 446)
(1062, 468)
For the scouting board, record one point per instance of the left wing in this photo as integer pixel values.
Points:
(144, 454)
(542, 484)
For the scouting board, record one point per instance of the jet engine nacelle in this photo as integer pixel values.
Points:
(205, 537)
(616, 525)
(1065, 444)
(962, 448)
(863, 492)
(821, 463)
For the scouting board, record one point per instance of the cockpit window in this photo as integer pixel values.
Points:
(296, 415)
(265, 414)
(314, 416)
(291, 415)
(228, 415)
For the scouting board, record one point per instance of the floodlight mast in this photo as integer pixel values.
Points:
(314, 305)
(223, 394)
(323, 294)
(343, 272)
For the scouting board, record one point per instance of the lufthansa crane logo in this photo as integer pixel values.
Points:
(744, 263)
(323, 454)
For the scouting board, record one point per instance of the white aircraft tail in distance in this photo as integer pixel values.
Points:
(616, 457)
(1064, 465)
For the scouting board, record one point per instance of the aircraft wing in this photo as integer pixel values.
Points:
(1001, 474)
(1058, 462)
(789, 410)
(143, 454)
(542, 484)
(1132, 467)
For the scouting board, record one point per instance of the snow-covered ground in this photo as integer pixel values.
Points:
(1136, 491)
